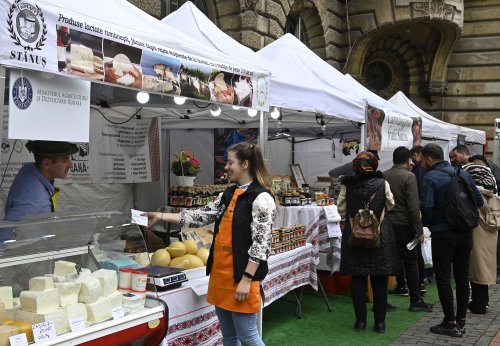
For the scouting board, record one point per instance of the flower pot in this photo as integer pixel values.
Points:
(183, 181)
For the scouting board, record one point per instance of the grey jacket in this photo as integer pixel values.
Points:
(404, 187)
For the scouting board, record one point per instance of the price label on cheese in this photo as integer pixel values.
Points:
(18, 340)
(77, 324)
(117, 312)
(44, 331)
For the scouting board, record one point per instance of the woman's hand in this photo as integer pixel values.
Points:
(243, 289)
(153, 218)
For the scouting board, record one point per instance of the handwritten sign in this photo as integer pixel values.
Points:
(117, 312)
(18, 340)
(77, 324)
(44, 331)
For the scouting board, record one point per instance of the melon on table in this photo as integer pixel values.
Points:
(203, 255)
(191, 246)
(195, 262)
(176, 249)
(161, 257)
(180, 262)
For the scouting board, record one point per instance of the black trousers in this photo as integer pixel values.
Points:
(447, 252)
(358, 291)
(407, 259)
(479, 297)
(421, 264)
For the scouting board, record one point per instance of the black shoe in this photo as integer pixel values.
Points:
(476, 310)
(445, 328)
(420, 306)
(379, 327)
(391, 307)
(423, 290)
(461, 325)
(399, 291)
(360, 326)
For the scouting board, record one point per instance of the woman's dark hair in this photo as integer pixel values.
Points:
(417, 149)
(433, 151)
(256, 166)
(401, 155)
(480, 158)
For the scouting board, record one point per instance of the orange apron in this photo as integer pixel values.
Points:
(221, 286)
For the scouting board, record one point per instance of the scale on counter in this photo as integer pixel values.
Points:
(164, 278)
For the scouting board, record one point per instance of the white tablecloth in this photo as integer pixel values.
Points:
(193, 321)
(316, 228)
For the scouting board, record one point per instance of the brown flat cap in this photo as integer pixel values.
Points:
(51, 148)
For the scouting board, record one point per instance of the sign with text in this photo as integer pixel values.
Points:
(54, 108)
(387, 130)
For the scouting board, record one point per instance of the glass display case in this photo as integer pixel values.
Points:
(84, 276)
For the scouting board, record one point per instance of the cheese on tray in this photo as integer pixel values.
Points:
(59, 317)
(41, 284)
(101, 310)
(76, 311)
(24, 327)
(108, 279)
(90, 289)
(5, 332)
(63, 268)
(68, 292)
(6, 296)
(56, 278)
(40, 302)
(2, 312)
(77, 276)
(82, 58)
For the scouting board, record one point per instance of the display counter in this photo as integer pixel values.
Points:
(60, 277)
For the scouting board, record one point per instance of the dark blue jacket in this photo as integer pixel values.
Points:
(434, 191)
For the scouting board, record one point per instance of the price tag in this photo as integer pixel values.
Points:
(77, 324)
(18, 340)
(117, 312)
(44, 331)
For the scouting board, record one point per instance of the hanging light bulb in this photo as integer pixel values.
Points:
(215, 110)
(179, 100)
(251, 112)
(142, 97)
(275, 113)
(236, 107)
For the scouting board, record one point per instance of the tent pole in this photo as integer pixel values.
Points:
(3, 80)
(262, 142)
(363, 136)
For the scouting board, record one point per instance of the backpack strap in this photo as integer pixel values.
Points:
(367, 203)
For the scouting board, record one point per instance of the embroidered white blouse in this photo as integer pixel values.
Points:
(263, 213)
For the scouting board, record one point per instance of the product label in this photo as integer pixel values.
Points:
(117, 312)
(18, 340)
(44, 331)
(77, 324)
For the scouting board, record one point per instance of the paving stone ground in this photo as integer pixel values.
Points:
(481, 330)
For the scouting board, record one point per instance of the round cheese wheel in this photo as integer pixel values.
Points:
(196, 262)
(180, 262)
(203, 255)
(176, 249)
(191, 246)
(161, 257)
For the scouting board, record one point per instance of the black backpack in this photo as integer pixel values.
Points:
(461, 208)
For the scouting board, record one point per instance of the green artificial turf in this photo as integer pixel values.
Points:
(320, 327)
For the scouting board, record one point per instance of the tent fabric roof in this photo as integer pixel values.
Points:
(436, 125)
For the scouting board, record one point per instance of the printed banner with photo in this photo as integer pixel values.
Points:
(36, 36)
(128, 153)
(387, 130)
(48, 107)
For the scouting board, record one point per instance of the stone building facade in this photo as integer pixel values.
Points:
(443, 54)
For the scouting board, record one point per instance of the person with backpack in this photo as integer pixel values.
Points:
(449, 204)
(368, 242)
(483, 264)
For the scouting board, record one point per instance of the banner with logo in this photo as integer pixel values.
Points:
(48, 107)
(38, 36)
(126, 153)
(387, 130)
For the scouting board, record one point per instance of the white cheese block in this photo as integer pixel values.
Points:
(59, 317)
(108, 280)
(77, 276)
(5, 332)
(40, 302)
(63, 268)
(76, 311)
(11, 313)
(56, 278)
(82, 56)
(68, 292)
(17, 303)
(90, 290)
(6, 296)
(41, 283)
(99, 311)
(115, 299)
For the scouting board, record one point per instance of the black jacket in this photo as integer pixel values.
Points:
(241, 233)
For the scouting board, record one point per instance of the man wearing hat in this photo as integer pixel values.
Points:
(33, 187)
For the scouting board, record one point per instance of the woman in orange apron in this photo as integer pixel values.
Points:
(243, 216)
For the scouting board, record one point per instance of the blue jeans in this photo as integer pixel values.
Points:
(238, 328)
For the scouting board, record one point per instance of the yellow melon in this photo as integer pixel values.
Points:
(203, 255)
(176, 249)
(191, 246)
(161, 257)
(196, 262)
(180, 262)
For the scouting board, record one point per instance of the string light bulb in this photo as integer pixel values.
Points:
(215, 110)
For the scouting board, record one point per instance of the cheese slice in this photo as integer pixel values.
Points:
(68, 292)
(108, 280)
(82, 56)
(90, 289)
(56, 278)
(24, 327)
(115, 299)
(5, 332)
(40, 302)
(6, 296)
(41, 283)
(76, 311)
(63, 268)
(99, 311)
